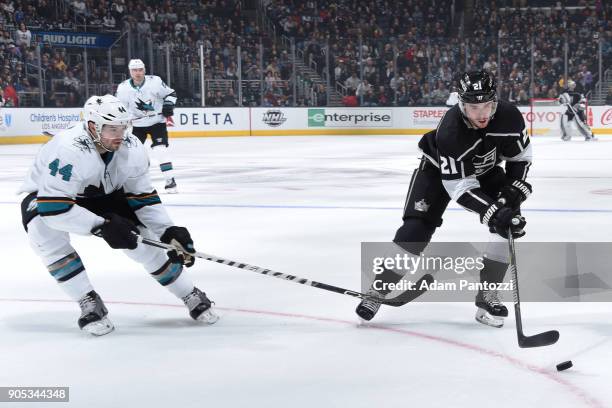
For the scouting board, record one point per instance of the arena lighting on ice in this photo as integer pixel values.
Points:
(411, 263)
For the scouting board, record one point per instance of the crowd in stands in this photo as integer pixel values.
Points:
(406, 51)
(380, 52)
(63, 74)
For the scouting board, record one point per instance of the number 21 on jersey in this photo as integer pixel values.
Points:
(448, 165)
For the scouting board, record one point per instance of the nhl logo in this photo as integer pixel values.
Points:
(421, 206)
(274, 117)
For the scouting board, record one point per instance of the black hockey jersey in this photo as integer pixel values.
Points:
(575, 97)
(464, 154)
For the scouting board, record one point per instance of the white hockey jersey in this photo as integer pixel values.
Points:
(144, 102)
(69, 167)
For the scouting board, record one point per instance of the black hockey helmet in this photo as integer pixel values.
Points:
(477, 87)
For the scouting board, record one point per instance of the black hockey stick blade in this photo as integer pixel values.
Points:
(409, 295)
(538, 340)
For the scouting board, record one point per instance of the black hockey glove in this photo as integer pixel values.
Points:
(499, 219)
(167, 109)
(118, 232)
(179, 237)
(513, 194)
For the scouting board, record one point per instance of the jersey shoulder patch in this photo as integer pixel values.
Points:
(131, 142)
(135, 156)
(450, 134)
(508, 119)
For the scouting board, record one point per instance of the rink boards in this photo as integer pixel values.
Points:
(26, 125)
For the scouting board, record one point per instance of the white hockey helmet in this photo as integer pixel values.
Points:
(571, 85)
(105, 110)
(136, 64)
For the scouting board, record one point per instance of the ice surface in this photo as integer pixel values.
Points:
(303, 205)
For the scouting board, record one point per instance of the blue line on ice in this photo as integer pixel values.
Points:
(340, 207)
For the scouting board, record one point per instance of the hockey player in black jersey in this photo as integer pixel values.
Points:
(462, 161)
(575, 106)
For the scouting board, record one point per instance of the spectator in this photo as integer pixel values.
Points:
(369, 98)
(229, 99)
(109, 21)
(609, 96)
(440, 95)
(11, 99)
(427, 96)
(369, 70)
(352, 82)
(217, 100)
(363, 88)
(321, 95)
(23, 36)
(384, 97)
(79, 6)
(70, 82)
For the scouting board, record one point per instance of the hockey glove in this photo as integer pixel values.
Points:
(118, 232)
(167, 109)
(499, 219)
(513, 194)
(180, 238)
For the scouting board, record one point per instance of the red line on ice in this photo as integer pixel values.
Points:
(548, 374)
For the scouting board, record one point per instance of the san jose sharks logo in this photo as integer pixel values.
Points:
(84, 143)
(130, 141)
(144, 106)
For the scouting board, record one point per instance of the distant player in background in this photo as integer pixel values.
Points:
(93, 179)
(453, 99)
(575, 106)
(462, 161)
(150, 101)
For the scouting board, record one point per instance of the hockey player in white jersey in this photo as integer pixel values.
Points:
(93, 179)
(575, 105)
(150, 101)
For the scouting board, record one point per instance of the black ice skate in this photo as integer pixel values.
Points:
(200, 307)
(93, 318)
(369, 306)
(171, 186)
(491, 310)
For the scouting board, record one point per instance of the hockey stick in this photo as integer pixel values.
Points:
(148, 115)
(537, 340)
(406, 297)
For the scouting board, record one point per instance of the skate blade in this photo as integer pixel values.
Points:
(365, 314)
(99, 328)
(484, 317)
(171, 190)
(208, 316)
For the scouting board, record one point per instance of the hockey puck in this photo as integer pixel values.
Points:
(564, 365)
